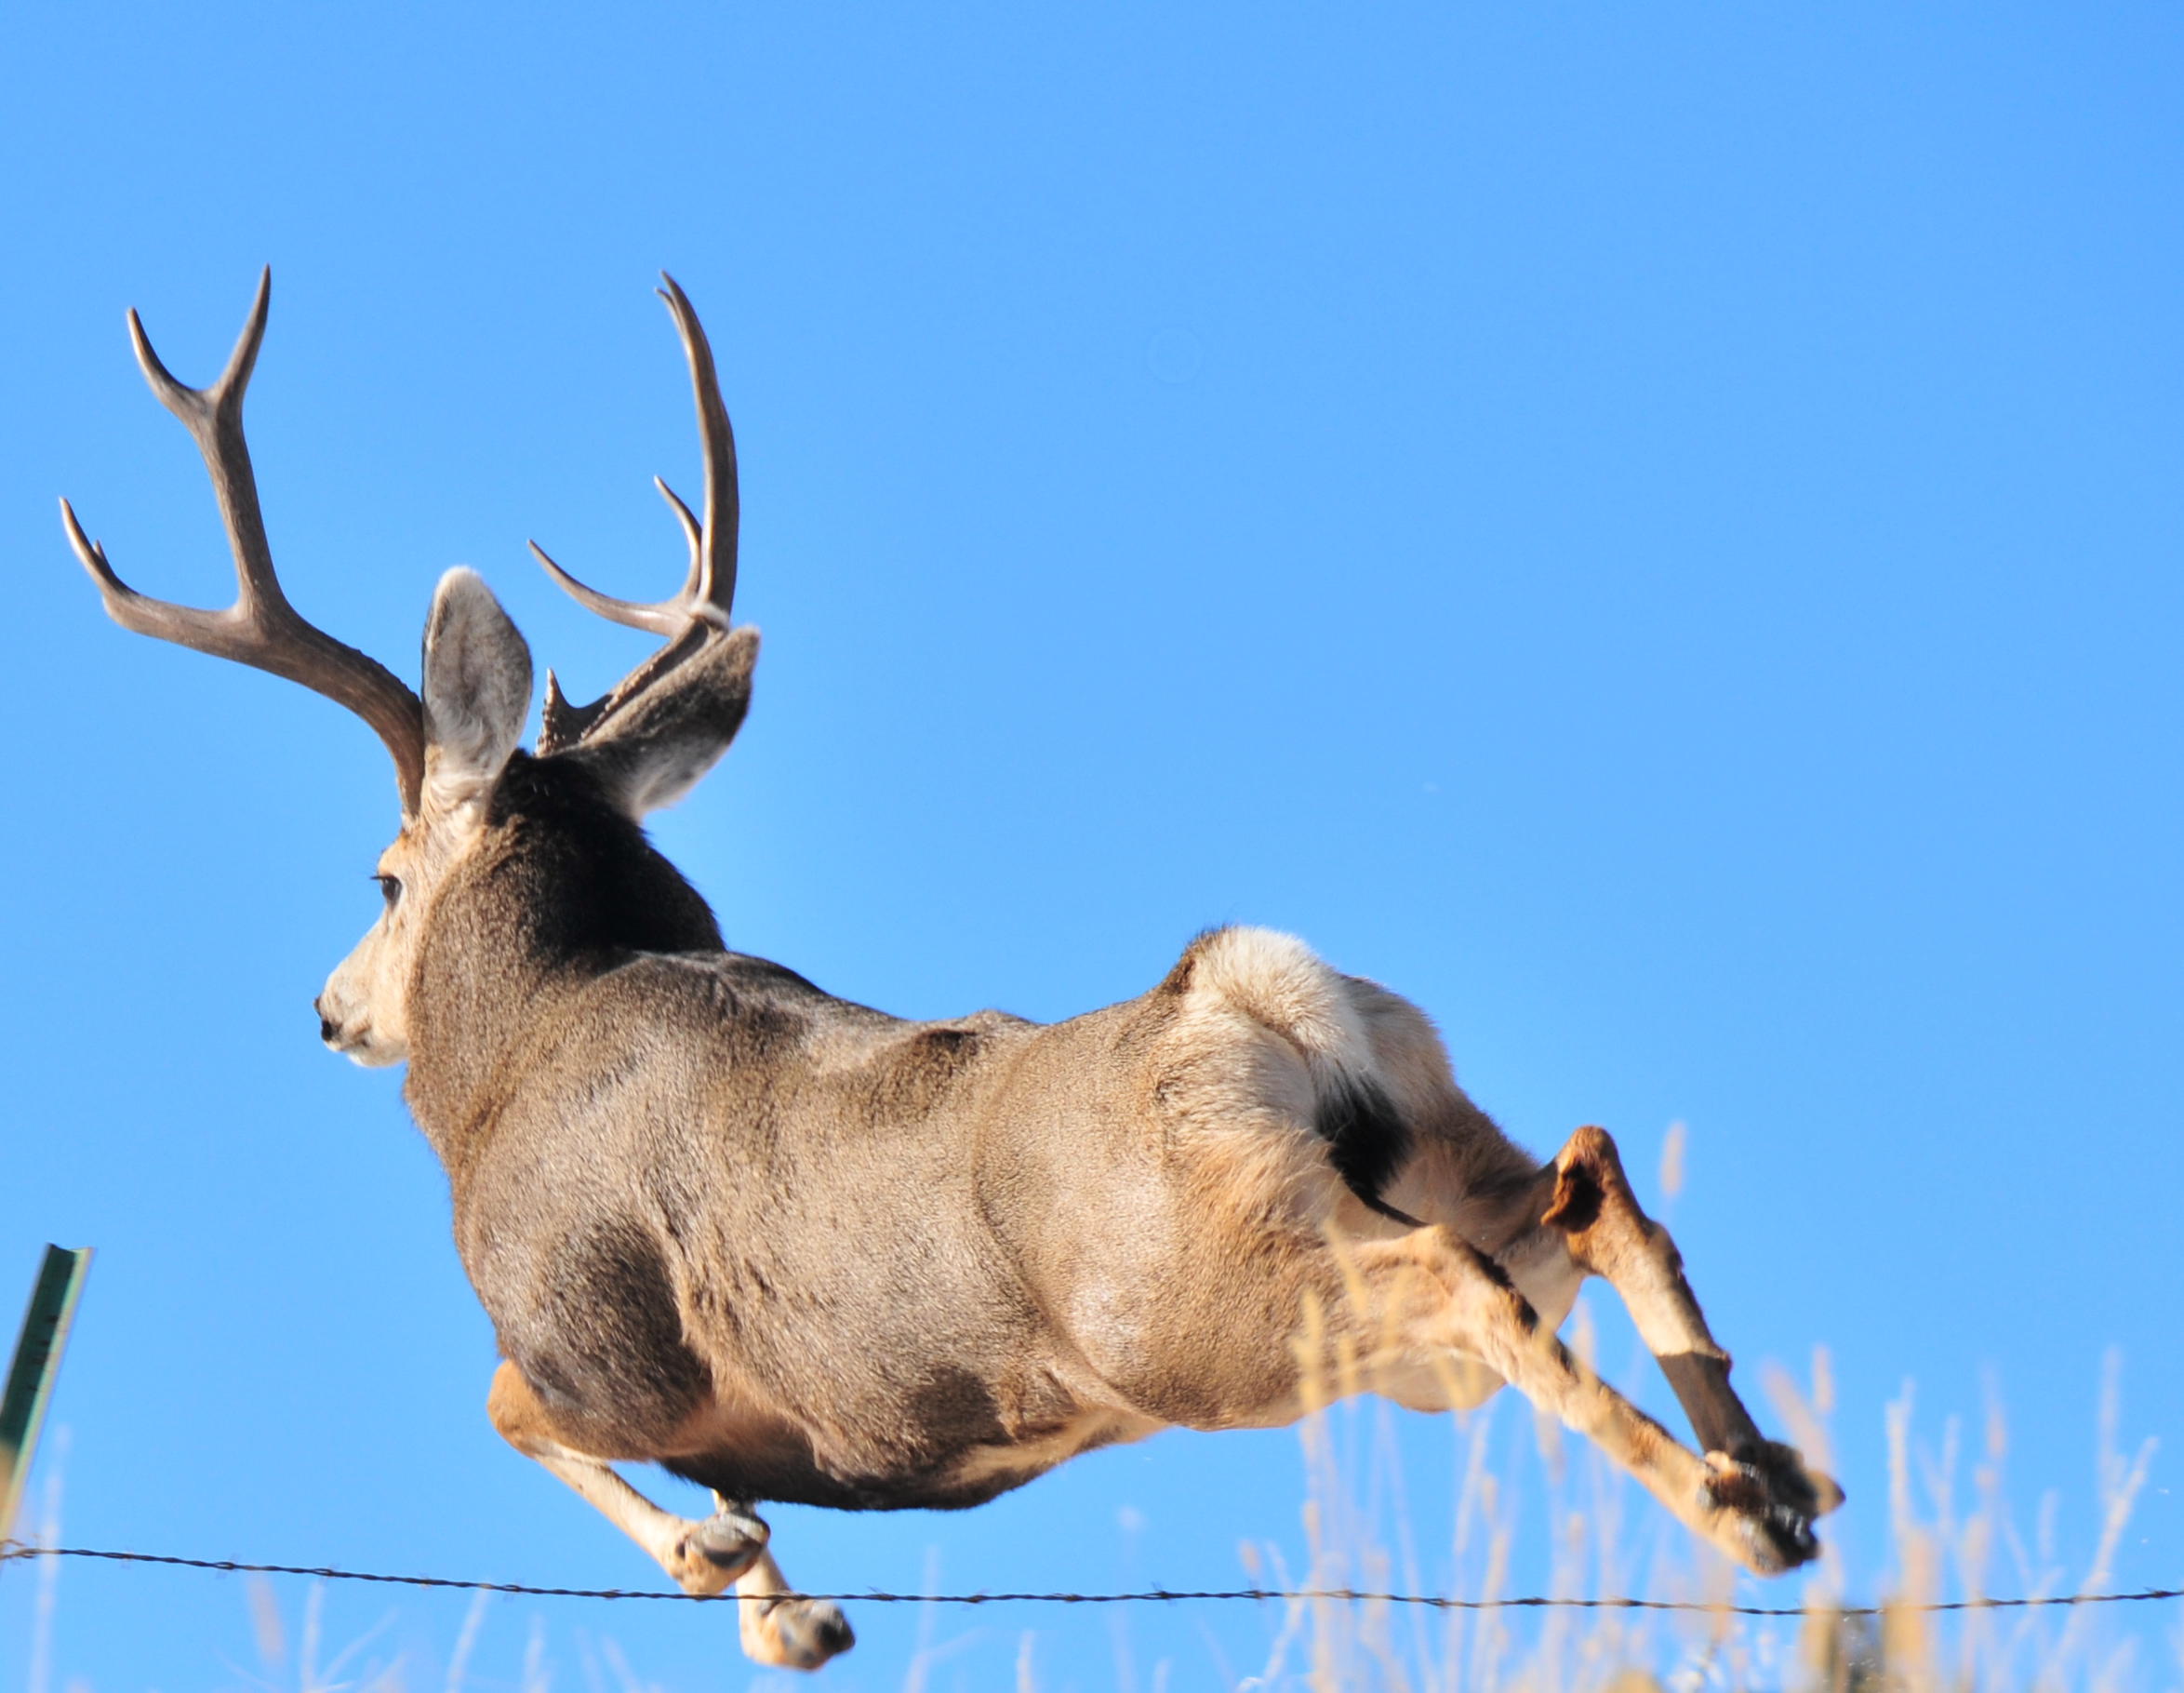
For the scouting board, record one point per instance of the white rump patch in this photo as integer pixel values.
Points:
(1275, 979)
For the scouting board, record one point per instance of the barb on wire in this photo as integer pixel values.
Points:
(1157, 1596)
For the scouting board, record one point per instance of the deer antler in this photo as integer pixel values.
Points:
(700, 611)
(260, 629)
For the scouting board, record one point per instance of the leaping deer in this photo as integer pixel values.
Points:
(793, 1248)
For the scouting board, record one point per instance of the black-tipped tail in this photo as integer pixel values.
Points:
(1366, 1143)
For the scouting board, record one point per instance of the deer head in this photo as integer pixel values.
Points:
(640, 746)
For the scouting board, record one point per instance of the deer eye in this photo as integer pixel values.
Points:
(389, 888)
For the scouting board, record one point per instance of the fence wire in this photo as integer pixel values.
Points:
(10, 1552)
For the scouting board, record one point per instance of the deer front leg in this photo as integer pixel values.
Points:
(788, 1632)
(702, 1557)
(1596, 1219)
(1437, 1299)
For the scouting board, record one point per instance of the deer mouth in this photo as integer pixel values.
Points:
(354, 1039)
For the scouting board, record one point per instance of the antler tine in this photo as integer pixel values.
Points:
(260, 629)
(658, 617)
(214, 418)
(708, 593)
(724, 508)
(692, 532)
(708, 588)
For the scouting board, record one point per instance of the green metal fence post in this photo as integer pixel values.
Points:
(30, 1379)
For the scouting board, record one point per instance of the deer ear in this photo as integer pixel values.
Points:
(651, 751)
(477, 689)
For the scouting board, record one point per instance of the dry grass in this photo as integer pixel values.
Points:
(1954, 1536)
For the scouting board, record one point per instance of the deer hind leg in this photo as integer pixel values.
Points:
(702, 1557)
(1548, 1229)
(1433, 1301)
(1594, 1216)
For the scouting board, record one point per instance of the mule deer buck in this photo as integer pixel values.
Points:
(793, 1248)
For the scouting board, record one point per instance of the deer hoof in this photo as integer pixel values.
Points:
(796, 1633)
(1765, 1503)
(707, 1559)
(1784, 1478)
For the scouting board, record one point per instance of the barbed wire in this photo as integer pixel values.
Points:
(11, 1551)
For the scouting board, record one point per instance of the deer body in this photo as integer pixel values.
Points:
(652, 1236)
(793, 1248)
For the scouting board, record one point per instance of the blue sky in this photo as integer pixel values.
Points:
(1652, 530)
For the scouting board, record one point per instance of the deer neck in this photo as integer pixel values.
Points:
(535, 915)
